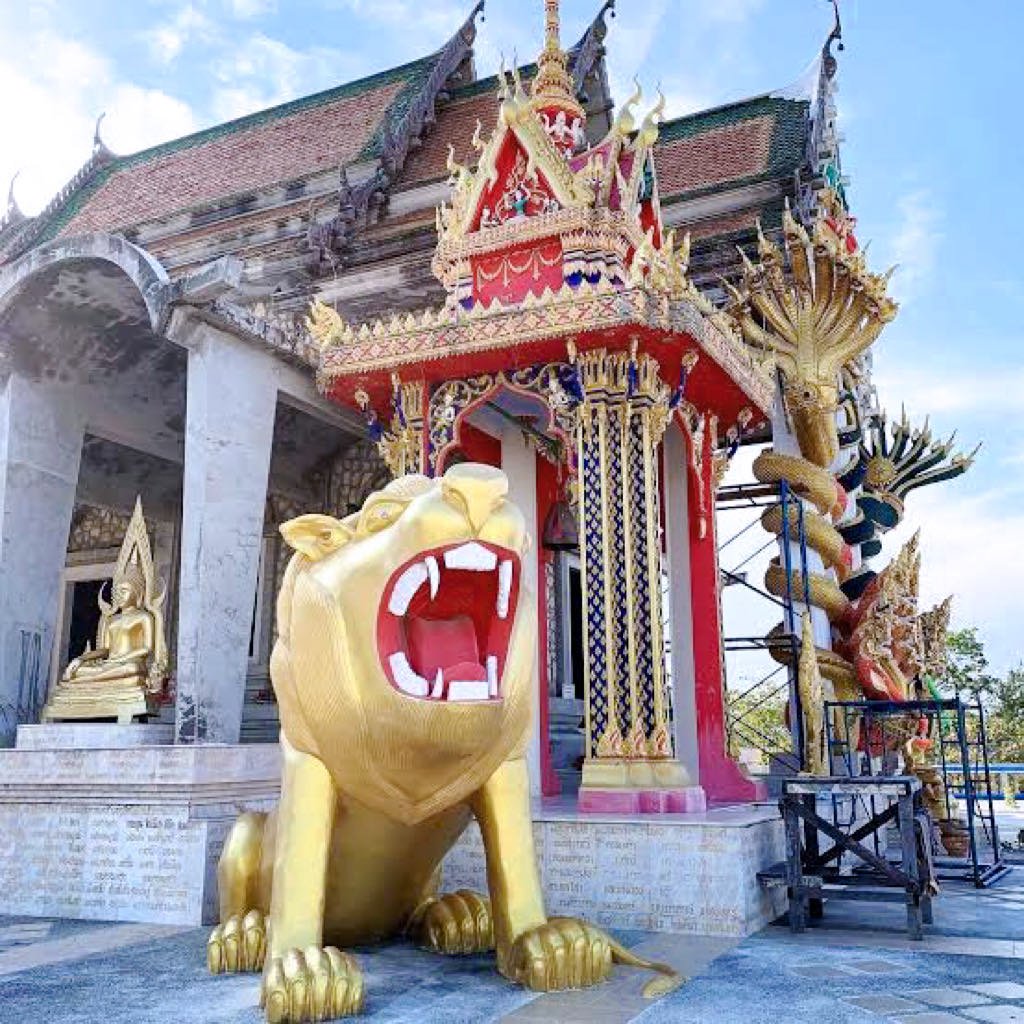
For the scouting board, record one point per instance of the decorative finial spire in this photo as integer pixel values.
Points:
(100, 151)
(11, 214)
(12, 203)
(829, 62)
(552, 28)
(553, 88)
(97, 141)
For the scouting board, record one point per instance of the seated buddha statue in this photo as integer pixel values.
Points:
(121, 677)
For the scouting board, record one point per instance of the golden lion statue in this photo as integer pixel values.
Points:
(403, 672)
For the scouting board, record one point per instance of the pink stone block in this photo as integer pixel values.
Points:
(609, 801)
(691, 800)
(687, 800)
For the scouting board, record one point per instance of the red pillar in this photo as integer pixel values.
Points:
(723, 780)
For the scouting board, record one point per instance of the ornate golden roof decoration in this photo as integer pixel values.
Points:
(553, 85)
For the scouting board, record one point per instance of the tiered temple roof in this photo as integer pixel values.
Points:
(350, 178)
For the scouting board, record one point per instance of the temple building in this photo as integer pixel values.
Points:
(281, 314)
(278, 314)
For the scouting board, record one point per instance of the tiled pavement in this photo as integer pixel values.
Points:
(970, 968)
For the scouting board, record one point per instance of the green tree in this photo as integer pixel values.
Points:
(967, 673)
(756, 722)
(1005, 722)
(966, 664)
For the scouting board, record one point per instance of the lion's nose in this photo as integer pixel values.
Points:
(475, 490)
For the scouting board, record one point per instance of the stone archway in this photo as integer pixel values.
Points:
(140, 267)
(92, 404)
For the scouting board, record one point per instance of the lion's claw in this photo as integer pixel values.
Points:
(458, 922)
(237, 945)
(311, 985)
(564, 953)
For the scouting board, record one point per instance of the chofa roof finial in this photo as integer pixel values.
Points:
(101, 152)
(97, 142)
(831, 65)
(12, 203)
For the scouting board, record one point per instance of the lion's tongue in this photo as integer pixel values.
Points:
(446, 644)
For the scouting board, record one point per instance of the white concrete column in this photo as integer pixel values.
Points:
(231, 402)
(40, 449)
(519, 463)
(677, 562)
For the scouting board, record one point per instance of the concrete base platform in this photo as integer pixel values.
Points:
(134, 834)
(686, 873)
(130, 834)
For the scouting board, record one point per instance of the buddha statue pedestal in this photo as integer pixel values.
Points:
(98, 701)
(122, 677)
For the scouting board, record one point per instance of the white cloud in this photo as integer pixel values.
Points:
(138, 118)
(167, 40)
(252, 8)
(683, 98)
(731, 11)
(969, 550)
(928, 386)
(264, 71)
(61, 87)
(914, 243)
(414, 18)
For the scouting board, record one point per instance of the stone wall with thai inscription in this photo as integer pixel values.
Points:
(124, 835)
(665, 876)
(111, 864)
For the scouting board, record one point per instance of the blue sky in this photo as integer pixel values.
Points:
(930, 104)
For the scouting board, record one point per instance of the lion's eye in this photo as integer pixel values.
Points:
(379, 515)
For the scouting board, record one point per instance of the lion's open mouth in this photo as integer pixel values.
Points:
(445, 620)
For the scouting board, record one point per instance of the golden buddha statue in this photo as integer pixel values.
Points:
(123, 675)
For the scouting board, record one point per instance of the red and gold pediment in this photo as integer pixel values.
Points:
(520, 188)
(545, 241)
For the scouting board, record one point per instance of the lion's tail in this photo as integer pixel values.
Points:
(659, 986)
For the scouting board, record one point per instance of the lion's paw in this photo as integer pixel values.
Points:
(238, 945)
(458, 922)
(311, 985)
(564, 953)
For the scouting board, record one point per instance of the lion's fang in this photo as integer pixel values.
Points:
(435, 575)
(504, 587)
(406, 677)
(405, 589)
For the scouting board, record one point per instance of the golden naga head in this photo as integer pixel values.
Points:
(406, 640)
(814, 308)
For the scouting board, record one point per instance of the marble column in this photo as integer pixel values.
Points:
(40, 449)
(677, 557)
(519, 463)
(231, 403)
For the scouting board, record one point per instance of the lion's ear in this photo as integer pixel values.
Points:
(316, 536)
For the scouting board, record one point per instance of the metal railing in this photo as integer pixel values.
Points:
(779, 680)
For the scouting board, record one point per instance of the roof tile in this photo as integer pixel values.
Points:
(281, 150)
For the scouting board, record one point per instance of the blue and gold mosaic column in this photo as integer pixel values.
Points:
(620, 423)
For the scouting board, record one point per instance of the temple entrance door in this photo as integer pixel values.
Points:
(78, 615)
(566, 696)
